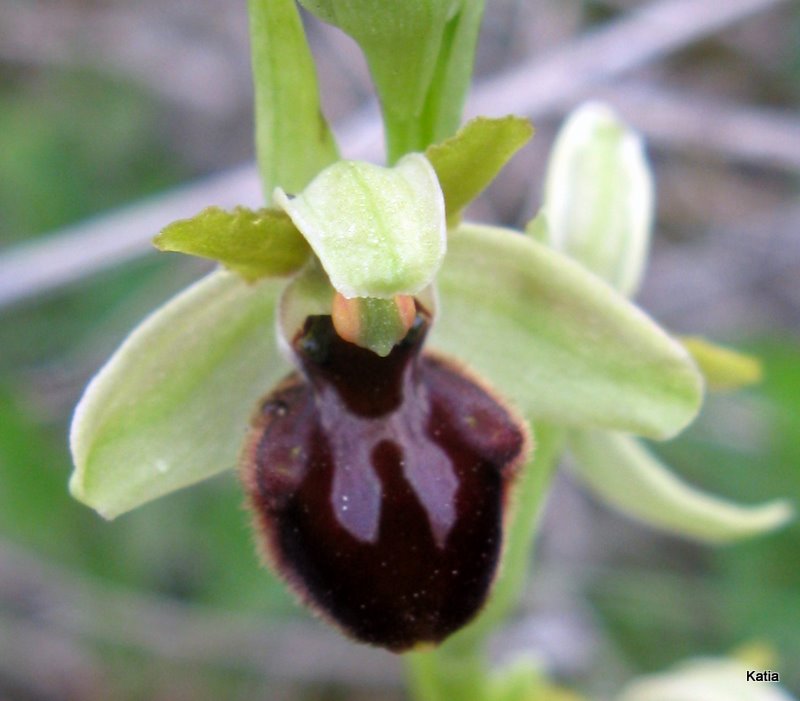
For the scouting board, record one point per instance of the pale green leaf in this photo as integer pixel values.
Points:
(378, 232)
(557, 341)
(172, 405)
(598, 196)
(467, 162)
(293, 140)
(624, 474)
(255, 244)
(723, 368)
(447, 93)
(402, 42)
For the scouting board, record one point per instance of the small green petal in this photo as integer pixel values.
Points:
(557, 341)
(293, 140)
(255, 244)
(466, 163)
(172, 405)
(378, 232)
(598, 196)
(723, 368)
(621, 472)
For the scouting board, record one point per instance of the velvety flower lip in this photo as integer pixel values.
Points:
(379, 485)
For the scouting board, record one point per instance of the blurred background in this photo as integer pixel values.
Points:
(108, 110)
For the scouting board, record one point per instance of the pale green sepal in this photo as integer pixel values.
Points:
(172, 405)
(557, 341)
(293, 140)
(598, 196)
(378, 232)
(723, 368)
(704, 679)
(467, 162)
(254, 244)
(624, 474)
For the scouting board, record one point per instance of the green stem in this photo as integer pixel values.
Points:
(441, 112)
(458, 669)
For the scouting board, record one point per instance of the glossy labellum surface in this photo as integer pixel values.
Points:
(379, 486)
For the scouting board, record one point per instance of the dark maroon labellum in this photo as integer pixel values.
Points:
(379, 486)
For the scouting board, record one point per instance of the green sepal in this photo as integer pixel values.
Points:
(624, 474)
(172, 405)
(378, 232)
(557, 341)
(254, 244)
(293, 139)
(467, 162)
(723, 368)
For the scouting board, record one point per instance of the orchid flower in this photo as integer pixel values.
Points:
(389, 378)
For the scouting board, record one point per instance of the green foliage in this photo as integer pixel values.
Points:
(420, 55)
(59, 166)
(293, 140)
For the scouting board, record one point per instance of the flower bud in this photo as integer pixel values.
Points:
(598, 199)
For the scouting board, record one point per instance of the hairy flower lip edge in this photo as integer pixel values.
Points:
(265, 539)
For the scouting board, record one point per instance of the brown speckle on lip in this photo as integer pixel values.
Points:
(379, 486)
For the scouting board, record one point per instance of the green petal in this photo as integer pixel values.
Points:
(378, 232)
(255, 244)
(620, 471)
(172, 405)
(293, 140)
(557, 341)
(723, 368)
(598, 196)
(466, 163)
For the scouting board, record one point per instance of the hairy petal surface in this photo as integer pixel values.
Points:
(171, 406)
(624, 474)
(557, 341)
